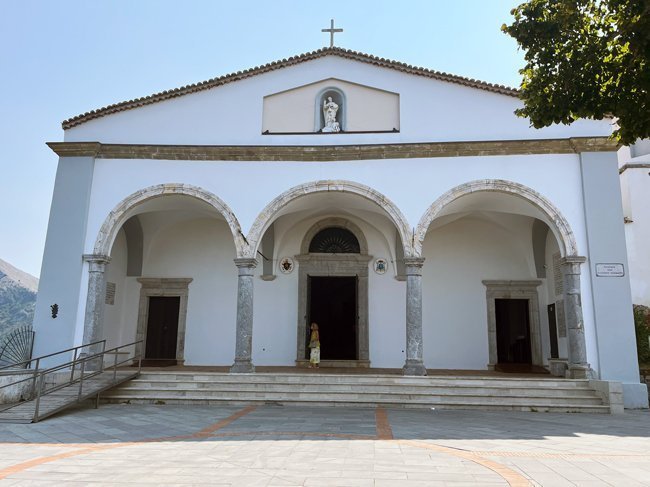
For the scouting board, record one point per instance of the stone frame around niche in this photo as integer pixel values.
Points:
(506, 289)
(165, 287)
(340, 99)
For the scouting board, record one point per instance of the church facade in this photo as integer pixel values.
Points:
(408, 212)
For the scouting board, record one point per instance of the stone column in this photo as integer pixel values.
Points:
(244, 333)
(94, 318)
(414, 364)
(578, 366)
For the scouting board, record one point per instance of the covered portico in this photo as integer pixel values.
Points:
(287, 226)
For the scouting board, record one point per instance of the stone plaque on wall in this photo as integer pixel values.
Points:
(560, 318)
(610, 270)
(557, 274)
(110, 293)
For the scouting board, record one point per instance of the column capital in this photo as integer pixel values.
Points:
(97, 262)
(572, 260)
(246, 262)
(415, 263)
(96, 258)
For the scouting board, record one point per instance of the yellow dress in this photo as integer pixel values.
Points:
(314, 345)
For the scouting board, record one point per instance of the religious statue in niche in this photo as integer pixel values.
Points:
(329, 115)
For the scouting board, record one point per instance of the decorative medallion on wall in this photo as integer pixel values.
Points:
(381, 266)
(286, 265)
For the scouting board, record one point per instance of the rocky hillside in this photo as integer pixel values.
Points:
(17, 296)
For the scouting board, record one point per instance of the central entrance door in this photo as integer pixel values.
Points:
(333, 305)
(162, 330)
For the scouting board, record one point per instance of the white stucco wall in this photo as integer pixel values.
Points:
(116, 179)
(115, 327)
(203, 250)
(459, 256)
(430, 110)
(247, 187)
(635, 186)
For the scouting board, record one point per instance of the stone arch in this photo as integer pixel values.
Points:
(560, 226)
(337, 223)
(266, 216)
(120, 213)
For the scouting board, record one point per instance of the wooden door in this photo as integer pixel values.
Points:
(162, 328)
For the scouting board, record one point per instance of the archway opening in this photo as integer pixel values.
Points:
(171, 268)
(332, 238)
(490, 282)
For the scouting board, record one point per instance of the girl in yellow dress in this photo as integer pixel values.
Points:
(314, 345)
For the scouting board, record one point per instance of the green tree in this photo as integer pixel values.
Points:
(585, 59)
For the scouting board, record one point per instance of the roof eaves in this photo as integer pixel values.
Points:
(239, 75)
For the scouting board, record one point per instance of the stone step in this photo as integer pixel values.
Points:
(328, 395)
(369, 390)
(566, 408)
(458, 389)
(361, 379)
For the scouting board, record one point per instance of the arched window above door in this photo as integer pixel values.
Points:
(334, 240)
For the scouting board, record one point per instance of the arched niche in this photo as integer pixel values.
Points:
(338, 97)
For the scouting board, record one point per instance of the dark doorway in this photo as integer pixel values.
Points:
(333, 305)
(513, 331)
(552, 330)
(162, 330)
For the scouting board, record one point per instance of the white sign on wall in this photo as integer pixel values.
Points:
(610, 270)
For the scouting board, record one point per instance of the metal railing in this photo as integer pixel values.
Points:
(82, 367)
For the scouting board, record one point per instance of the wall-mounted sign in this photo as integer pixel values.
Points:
(110, 293)
(610, 270)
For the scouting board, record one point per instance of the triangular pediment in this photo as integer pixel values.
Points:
(284, 63)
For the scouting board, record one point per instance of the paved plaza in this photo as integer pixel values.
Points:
(126, 444)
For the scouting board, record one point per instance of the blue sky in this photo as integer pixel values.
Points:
(62, 58)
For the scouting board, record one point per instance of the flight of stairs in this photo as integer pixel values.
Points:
(542, 394)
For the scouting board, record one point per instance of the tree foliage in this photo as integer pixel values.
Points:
(642, 328)
(585, 59)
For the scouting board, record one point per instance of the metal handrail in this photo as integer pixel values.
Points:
(38, 359)
(38, 377)
(82, 376)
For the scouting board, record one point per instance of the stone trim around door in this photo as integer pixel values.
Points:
(334, 265)
(503, 289)
(162, 286)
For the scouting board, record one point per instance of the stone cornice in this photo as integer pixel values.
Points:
(314, 153)
(632, 165)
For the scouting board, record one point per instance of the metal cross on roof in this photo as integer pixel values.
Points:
(332, 30)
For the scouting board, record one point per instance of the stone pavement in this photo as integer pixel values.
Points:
(290, 446)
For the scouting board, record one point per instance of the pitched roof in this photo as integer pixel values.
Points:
(239, 75)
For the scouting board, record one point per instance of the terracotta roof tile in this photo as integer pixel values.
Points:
(239, 75)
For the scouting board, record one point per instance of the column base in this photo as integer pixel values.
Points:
(414, 367)
(242, 367)
(579, 371)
